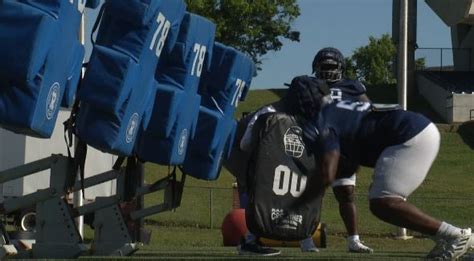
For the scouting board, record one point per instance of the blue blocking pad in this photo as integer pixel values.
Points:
(221, 89)
(41, 62)
(174, 115)
(92, 3)
(119, 83)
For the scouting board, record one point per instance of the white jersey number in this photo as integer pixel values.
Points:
(353, 106)
(336, 94)
(281, 182)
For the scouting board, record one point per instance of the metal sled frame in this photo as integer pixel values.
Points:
(56, 233)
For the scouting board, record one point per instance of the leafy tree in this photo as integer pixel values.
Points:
(374, 61)
(420, 63)
(351, 70)
(252, 26)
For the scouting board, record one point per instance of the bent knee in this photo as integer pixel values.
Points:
(379, 206)
(344, 194)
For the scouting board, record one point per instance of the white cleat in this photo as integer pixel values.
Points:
(357, 246)
(457, 247)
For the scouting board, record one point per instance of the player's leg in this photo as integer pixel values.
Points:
(249, 245)
(399, 171)
(345, 197)
(344, 192)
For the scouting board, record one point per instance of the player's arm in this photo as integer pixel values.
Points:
(248, 137)
(329, 163)
(325, 145)
(329, 156)
(360, 88)
(364, 98)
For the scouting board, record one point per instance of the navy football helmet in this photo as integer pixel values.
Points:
(305, 96)
(329, 64)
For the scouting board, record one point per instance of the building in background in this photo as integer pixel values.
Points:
(449, 86)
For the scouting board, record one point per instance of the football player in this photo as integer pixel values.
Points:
(401, 147)
(243, 148)
(329, 65)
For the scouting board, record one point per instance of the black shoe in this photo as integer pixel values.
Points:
(255, 249)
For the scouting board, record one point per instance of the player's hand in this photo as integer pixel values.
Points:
(311, 132)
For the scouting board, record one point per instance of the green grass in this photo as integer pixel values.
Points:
(193, 230)
(176, 242)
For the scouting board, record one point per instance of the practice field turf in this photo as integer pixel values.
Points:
(193, 230)
(188, 243)
(386, 247)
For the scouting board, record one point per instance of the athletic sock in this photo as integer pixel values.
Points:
(307, 241)
(448, 231)
(250, 238)
(353, 238)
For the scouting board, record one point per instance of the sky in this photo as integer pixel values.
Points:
(344, 24)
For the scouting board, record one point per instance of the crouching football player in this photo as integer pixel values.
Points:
(401, 147)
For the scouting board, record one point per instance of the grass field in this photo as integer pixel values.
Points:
(193, 230)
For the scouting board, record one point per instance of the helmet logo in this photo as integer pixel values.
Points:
(294, 146)
(52, 100)
(132, 128)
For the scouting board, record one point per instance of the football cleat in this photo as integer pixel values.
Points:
(255, 249)
(357, 246)
(458, 246)
(438, 249)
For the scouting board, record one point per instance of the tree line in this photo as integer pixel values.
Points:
(256, 27)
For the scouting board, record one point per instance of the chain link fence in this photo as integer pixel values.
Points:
(442, 59)
(204, 207)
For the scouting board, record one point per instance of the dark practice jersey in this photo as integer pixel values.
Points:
(347, 90)
(358, 132)
(238, 161)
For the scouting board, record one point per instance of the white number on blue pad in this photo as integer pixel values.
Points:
(162, 31)
(240, 84)
(199, 55)
(81, 4)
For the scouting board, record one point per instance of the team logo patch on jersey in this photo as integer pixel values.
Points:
(132, 127)
(294, 146)
(52, 100)
(183, 140)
